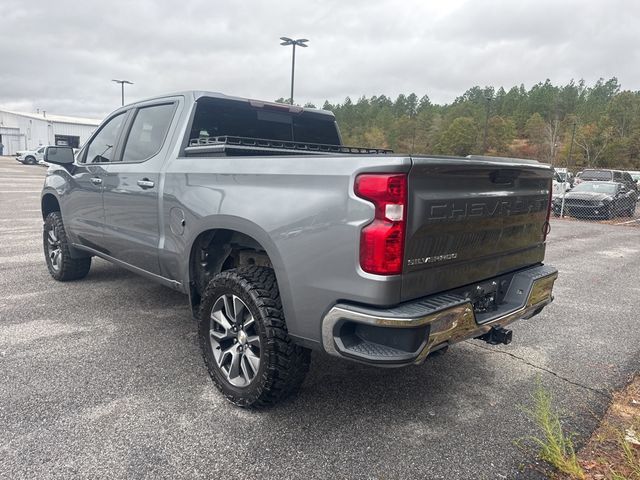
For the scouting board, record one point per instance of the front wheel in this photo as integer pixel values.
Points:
(61, 265)
(245, 344)
(610, 212)
(30, 160)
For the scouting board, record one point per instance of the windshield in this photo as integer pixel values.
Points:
(597, 175)
(597, 187)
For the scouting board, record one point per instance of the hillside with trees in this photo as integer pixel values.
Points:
(535, 123)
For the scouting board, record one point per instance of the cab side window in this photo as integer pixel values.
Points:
(148, 132)
(102, 146)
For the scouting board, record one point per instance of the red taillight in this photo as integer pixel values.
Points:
(382, 241)
(547, 225)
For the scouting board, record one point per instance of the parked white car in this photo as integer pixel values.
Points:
(31, 157)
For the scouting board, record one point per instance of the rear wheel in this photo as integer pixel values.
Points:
(61, 265)
(632, 209)
(246, 347)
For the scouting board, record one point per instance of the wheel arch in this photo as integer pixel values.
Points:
(224, 239)
(49, 203)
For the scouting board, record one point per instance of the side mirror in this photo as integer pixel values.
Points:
(59, 155)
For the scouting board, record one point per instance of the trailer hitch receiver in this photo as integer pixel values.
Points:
(497, 335)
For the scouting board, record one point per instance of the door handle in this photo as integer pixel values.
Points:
(146, 183)
(96, 181)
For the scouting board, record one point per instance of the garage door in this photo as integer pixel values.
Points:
(11, 138)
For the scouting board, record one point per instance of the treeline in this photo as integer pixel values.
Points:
(536, 123)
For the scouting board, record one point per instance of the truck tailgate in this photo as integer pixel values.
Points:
(470, 220)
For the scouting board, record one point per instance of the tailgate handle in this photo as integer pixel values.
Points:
(504, 177)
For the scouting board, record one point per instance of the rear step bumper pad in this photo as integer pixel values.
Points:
(369, 335)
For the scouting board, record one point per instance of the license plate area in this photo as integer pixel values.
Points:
(487, 297)
(485, 302)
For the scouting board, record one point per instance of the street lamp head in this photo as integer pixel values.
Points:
(122, 82)
(300, 42)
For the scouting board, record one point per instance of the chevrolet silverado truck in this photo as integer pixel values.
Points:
(286, 241)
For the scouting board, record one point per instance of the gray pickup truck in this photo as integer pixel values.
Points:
(286, 240)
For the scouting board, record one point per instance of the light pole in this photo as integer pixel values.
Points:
(301, 42)
(122, 82)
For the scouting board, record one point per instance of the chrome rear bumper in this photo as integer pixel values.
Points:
(408, 333)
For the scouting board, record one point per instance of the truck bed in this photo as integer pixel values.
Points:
(245, 146)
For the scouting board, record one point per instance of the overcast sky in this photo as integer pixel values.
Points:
(61, 55)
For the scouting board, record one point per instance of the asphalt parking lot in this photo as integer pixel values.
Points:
(103, 378)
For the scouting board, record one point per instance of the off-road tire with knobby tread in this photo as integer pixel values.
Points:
(283, 364)
(70, 268)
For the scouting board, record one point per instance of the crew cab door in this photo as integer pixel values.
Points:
(83, 208)
(131, 185)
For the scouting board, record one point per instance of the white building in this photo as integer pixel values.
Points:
(26, 131)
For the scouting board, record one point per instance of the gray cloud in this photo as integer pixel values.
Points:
(60, 56)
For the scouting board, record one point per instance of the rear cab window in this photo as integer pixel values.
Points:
(604, 175)
(215, 117)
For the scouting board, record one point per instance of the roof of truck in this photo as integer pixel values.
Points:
(197, 94)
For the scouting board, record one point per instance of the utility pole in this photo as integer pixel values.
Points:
(300, 42)
(122, 82)
(564, 190)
